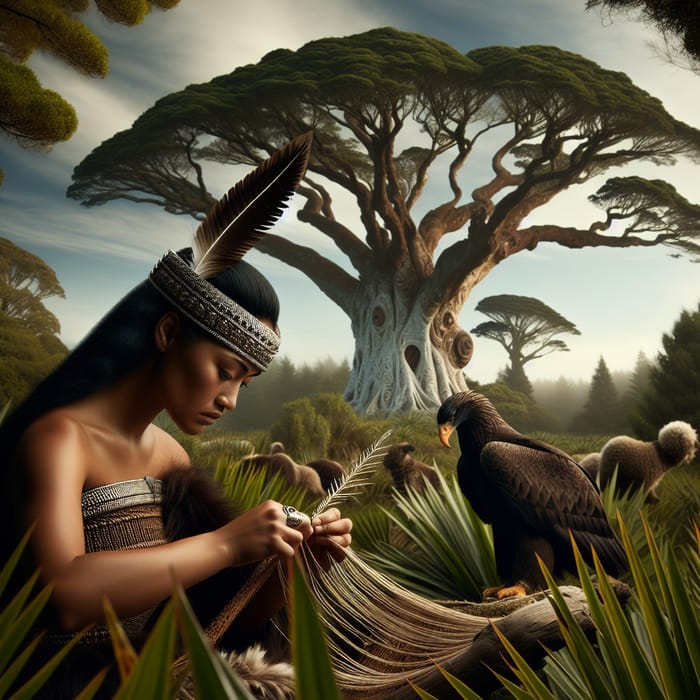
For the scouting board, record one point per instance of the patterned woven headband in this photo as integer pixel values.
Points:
(231, 228)
(224, 319)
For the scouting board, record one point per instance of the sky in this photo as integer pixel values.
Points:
(622, 301)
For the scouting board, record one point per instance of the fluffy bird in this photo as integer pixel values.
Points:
(534, 496)
(641, 464)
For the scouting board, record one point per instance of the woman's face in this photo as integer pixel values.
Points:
(200, 380)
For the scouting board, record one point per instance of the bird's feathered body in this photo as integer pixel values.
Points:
(534, 495)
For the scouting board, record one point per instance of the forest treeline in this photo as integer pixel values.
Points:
(637, 402)
(555, 405)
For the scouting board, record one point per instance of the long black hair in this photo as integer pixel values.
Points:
(120, 342)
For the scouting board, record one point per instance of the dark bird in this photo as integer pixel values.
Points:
(534, 496)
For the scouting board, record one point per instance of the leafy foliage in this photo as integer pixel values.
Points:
(435, 544)
(674, 380)
(26, 359)
(677, 20)
(17, 621)
(28, 112)
(302, 429)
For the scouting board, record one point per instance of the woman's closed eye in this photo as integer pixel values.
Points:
(225, 375)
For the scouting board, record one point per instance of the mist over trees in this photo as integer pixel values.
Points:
(601, 412)
(260, 405)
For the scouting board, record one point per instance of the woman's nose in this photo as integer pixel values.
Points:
(227, 401)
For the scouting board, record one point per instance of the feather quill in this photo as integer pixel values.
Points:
(243, 215)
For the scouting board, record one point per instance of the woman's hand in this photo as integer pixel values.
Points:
(264, 531)
(330, 537)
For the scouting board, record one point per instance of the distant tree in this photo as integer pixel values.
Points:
(639, 382)
(392, 111)
(28, 112)
(29, 342)
(260, 405)
(526, 328)
(601, 412)
(343, 422)
(304, 432)
(25, 281)
(678, 21)
(516, 379)
(674, 381)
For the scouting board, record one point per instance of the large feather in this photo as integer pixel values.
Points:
(243, 215)
(357, 477)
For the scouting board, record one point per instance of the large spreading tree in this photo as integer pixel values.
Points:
(390, 110)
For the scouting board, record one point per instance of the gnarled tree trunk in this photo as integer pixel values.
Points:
(404, 359)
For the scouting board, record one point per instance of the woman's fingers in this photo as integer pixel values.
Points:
(331, 523)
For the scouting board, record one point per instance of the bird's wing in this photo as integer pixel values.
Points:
(547, 488)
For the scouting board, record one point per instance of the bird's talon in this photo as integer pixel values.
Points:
(502, 592)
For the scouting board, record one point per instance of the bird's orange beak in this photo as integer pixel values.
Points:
(444, 432)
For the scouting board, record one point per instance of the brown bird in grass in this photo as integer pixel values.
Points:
(406, 471)
(534, 496)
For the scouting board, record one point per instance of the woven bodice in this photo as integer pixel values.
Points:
(124, 515)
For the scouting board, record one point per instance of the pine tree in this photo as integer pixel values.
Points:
(601, 412)
(674, 381)
(639, 382)
(516, 379)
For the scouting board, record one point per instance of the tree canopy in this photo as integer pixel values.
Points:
(25, 281)
(30, 113)
(389, 109)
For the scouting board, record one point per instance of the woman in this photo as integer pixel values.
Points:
(85, 466)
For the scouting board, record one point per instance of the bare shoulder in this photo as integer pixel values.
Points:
(55, 438)
(169, 453)
(54, 457)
